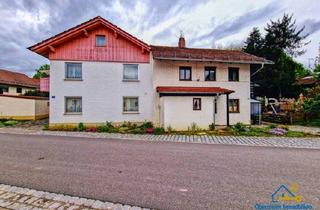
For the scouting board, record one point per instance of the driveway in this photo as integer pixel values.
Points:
(161, 175)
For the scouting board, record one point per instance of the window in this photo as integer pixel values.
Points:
(4, 89)
(233, 74)
(74, 71)
(234, 106)
(130, 104)
(185, 73)
(130, 72)
(209, 73)
(196, 103)
(100, 40)
(73, 105)
(19, 90)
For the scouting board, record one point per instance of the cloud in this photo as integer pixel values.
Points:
(24, 23)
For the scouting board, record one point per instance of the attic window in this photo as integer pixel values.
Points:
(100, 40)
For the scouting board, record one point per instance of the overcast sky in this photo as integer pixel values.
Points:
(205, 23)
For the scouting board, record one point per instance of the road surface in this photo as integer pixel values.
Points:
(158, 175)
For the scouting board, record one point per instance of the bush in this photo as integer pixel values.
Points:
(146, 125)
(138, 131)
(239, 127)
(1, 124)
(271, 126)
(158, 131)
(106, 128)
(149, 130)
(212, 127)
(45, 127)
(81, 127)
(194, 128)
(10, 123)
(91, 129)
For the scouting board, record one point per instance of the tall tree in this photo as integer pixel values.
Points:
(281, 42)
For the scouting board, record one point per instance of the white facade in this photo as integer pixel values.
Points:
(102, 90)
(166, 73)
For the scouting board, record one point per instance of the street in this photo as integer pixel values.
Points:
(158, 175)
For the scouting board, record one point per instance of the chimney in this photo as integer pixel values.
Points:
(182, 42)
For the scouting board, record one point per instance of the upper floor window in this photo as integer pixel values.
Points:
(19, 90)
(234, 106)
(209, 73)
(185, 73)
(130, 72)
(73, 105)
(100, 40)
(233, 74)
(74, 71)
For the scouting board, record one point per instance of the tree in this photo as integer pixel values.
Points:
(254, 42)
(42, 72)
(282, 41)
(316, 72)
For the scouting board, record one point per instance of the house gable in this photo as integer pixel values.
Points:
(78, 43)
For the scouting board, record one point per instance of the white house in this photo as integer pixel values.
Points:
(99, 73)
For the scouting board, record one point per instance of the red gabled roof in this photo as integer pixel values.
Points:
(174, 89)
(42, 47)
(18, 79)
(198, 54)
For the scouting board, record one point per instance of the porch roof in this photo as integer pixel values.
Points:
(204, 90)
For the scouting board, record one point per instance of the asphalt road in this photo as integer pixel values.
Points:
(158, 175)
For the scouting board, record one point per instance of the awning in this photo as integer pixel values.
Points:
(191, 91)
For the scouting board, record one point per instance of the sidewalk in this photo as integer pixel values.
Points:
(23, 198)
(288, 142)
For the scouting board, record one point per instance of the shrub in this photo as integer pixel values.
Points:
(10, 123)
(123, 130)
(212, 126)
(146, 125)
(91, 129)
(45, 127)
(138, 131)
(107, 128)
(271, 126)
(81, 127)
(158, 131)
(149, 130)
(239, 127)
(194, 128)
(1, 124)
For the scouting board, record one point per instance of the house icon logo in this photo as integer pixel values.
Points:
(285, 194)
(285, 197)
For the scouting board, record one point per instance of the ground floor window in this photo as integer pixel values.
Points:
(196, 103)
(234, 106)
(73, 105)
(130, 104)
(19, 90)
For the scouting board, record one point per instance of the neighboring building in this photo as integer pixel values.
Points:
(45, 84)
(14, 83)
(99, 73)
(308, 81)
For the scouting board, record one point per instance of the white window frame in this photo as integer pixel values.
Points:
(65, 105)
(128, 79)
(127, 111)
(66, 72)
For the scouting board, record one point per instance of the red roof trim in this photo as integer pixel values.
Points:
(173, 89)
(44, 45)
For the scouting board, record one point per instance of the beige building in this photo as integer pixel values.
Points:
(13, 104)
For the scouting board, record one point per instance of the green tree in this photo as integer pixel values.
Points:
(316, 72)
(281, 42)
(41, 72)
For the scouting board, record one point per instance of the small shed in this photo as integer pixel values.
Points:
(256, 111)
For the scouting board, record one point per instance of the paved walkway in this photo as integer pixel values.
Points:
(309, 143)
(23, 198)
